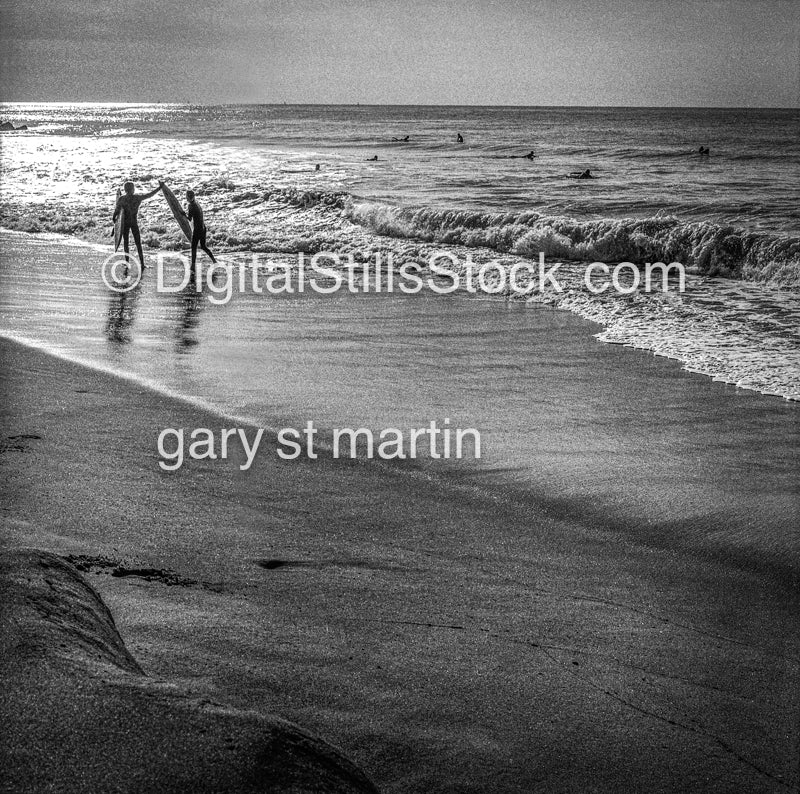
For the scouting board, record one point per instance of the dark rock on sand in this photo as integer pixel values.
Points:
(6, 125)
(91, 563)
(272, 564)
(79, 715)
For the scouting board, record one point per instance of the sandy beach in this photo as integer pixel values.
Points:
(444, 641)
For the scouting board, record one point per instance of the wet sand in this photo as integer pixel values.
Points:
(609, 437)
(442, 639)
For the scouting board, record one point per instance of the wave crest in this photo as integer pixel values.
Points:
(712, 249)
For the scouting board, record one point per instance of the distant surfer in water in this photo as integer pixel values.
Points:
(704, 151)
(129, 203)
(459, 138)
(530, 155)
(195, 214)
(587, 174)
(372, 159)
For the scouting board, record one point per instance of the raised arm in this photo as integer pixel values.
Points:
(152, 192)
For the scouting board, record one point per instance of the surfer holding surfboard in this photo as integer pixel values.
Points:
(195, 214)
(191, 221)
(127, 208)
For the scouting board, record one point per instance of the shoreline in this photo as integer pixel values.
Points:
(652, 328)
(393, 617)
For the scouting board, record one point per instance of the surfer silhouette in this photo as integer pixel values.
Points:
(459, 138)
(195, 214)
(129, 203)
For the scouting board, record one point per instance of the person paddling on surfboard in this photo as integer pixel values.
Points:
(195, 214)
(128, 203)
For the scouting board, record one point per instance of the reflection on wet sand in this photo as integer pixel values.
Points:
(120, 315)
(190, 303)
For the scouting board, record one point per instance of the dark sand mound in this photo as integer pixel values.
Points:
(78, 714)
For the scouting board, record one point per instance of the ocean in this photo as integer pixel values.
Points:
(731, 218)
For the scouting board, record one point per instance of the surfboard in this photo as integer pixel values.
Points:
(177, 211)
(119, 223)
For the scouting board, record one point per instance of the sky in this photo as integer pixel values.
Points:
(721, 53)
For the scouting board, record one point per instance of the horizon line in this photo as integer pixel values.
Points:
(390, 105)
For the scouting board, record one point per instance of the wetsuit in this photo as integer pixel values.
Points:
(131, 203)
(195, 214)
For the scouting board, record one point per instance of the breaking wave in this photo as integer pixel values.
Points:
(294, 219)
(711, 249)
